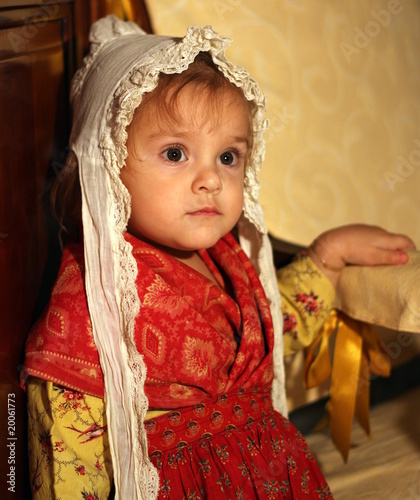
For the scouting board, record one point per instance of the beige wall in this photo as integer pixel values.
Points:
(342, 79)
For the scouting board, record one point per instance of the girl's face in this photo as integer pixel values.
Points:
(186, 176)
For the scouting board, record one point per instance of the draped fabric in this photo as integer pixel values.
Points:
(196, 339)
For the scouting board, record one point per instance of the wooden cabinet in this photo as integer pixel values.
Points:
(41, 45)
(36, 63)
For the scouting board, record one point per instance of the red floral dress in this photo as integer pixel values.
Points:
(208, 351)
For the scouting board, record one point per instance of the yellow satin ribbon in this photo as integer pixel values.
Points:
(357, 355)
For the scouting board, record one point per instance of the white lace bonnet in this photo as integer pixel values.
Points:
(123, 64)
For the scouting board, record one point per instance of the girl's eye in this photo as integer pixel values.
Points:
(174, 154)
(228, 158)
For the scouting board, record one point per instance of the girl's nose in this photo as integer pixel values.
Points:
(208, 180)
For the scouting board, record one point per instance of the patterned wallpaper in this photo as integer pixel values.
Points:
(342, 80)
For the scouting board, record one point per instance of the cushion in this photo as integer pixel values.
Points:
(383, 295)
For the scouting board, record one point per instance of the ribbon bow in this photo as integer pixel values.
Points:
(357, 355)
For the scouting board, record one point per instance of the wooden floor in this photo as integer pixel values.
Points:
(384, 467)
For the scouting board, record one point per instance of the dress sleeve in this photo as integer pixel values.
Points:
(68, 445)
(307, 300)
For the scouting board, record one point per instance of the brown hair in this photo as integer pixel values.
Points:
(66, 200)
(203, 73)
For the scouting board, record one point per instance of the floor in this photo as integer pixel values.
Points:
(386, 466)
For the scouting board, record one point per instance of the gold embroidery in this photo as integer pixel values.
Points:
(153, 341)
(55, 323)
(199, 356)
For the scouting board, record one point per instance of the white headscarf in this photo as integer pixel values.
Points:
(123, 64)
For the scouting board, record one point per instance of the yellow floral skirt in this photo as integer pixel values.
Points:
(68, 446)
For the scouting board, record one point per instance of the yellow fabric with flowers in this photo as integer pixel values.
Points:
(68, 445)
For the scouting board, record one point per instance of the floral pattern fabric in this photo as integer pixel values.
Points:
(200, 340)
(307, 298)
(197, 339)
(68, 446)
(235, 446)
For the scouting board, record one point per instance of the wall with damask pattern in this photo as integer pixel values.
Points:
(342, 80)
